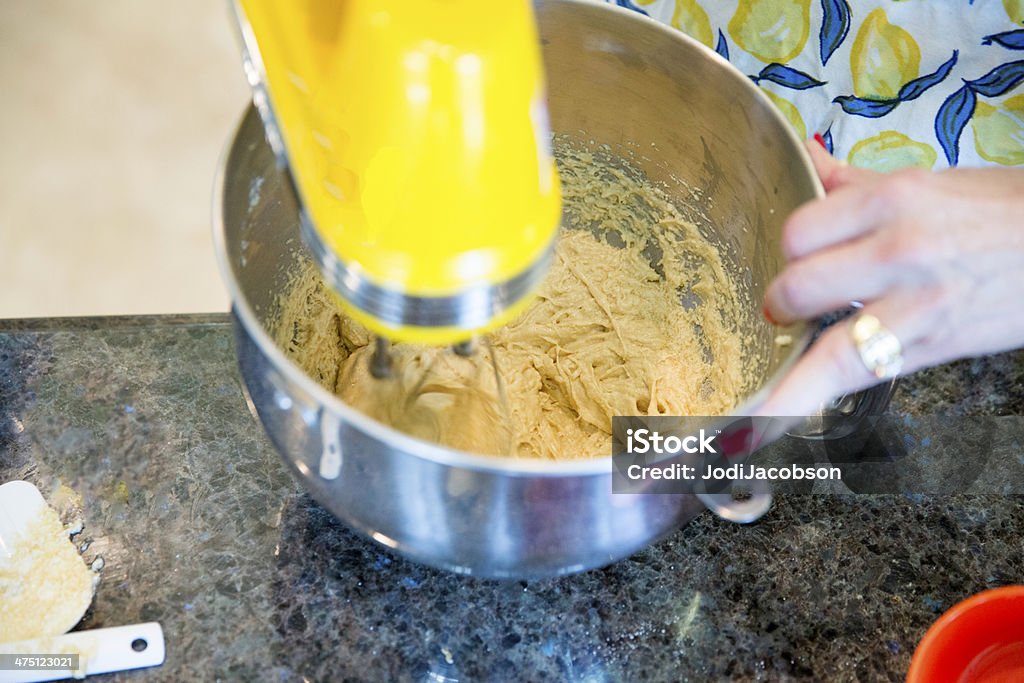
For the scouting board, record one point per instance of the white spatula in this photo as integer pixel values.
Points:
(77, 654)
(20, 502)
(82, 653)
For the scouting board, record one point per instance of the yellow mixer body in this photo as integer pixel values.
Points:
(416, 132)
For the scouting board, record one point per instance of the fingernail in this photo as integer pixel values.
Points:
(767, 315)
(821, 141)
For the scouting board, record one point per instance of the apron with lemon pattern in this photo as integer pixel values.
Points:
(888, 84)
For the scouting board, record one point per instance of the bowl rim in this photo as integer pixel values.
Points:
(503, 465)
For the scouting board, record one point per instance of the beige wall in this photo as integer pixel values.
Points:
(112, 117)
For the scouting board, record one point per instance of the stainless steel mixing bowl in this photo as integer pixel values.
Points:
(688, 120)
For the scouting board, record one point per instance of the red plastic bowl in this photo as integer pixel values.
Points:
(979, 640)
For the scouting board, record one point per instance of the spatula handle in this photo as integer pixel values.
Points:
(98, 651)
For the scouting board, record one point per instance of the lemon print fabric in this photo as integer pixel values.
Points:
(999, 131)
(771, 30)
(790, 112)
(890, 151)
(883, 59)
(691, 18)
(888, 84)
(1015, 11)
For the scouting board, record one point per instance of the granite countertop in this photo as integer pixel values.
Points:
(202, 529)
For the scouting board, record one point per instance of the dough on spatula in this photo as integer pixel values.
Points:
(45, 586)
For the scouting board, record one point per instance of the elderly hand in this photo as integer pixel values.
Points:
(936, 257)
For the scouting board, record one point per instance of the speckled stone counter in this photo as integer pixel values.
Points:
(202, 529)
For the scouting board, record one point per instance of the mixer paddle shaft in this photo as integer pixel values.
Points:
(464, 349)
(380, 361)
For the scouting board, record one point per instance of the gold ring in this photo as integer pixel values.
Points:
(879, 349)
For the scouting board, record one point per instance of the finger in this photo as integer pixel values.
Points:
(846, 213)
(833, 367)
(829, 279)
(833, 172)
(830, 368)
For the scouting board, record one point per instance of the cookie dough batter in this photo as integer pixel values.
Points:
(635, 318)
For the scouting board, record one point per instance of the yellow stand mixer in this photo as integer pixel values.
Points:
(416, 134)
